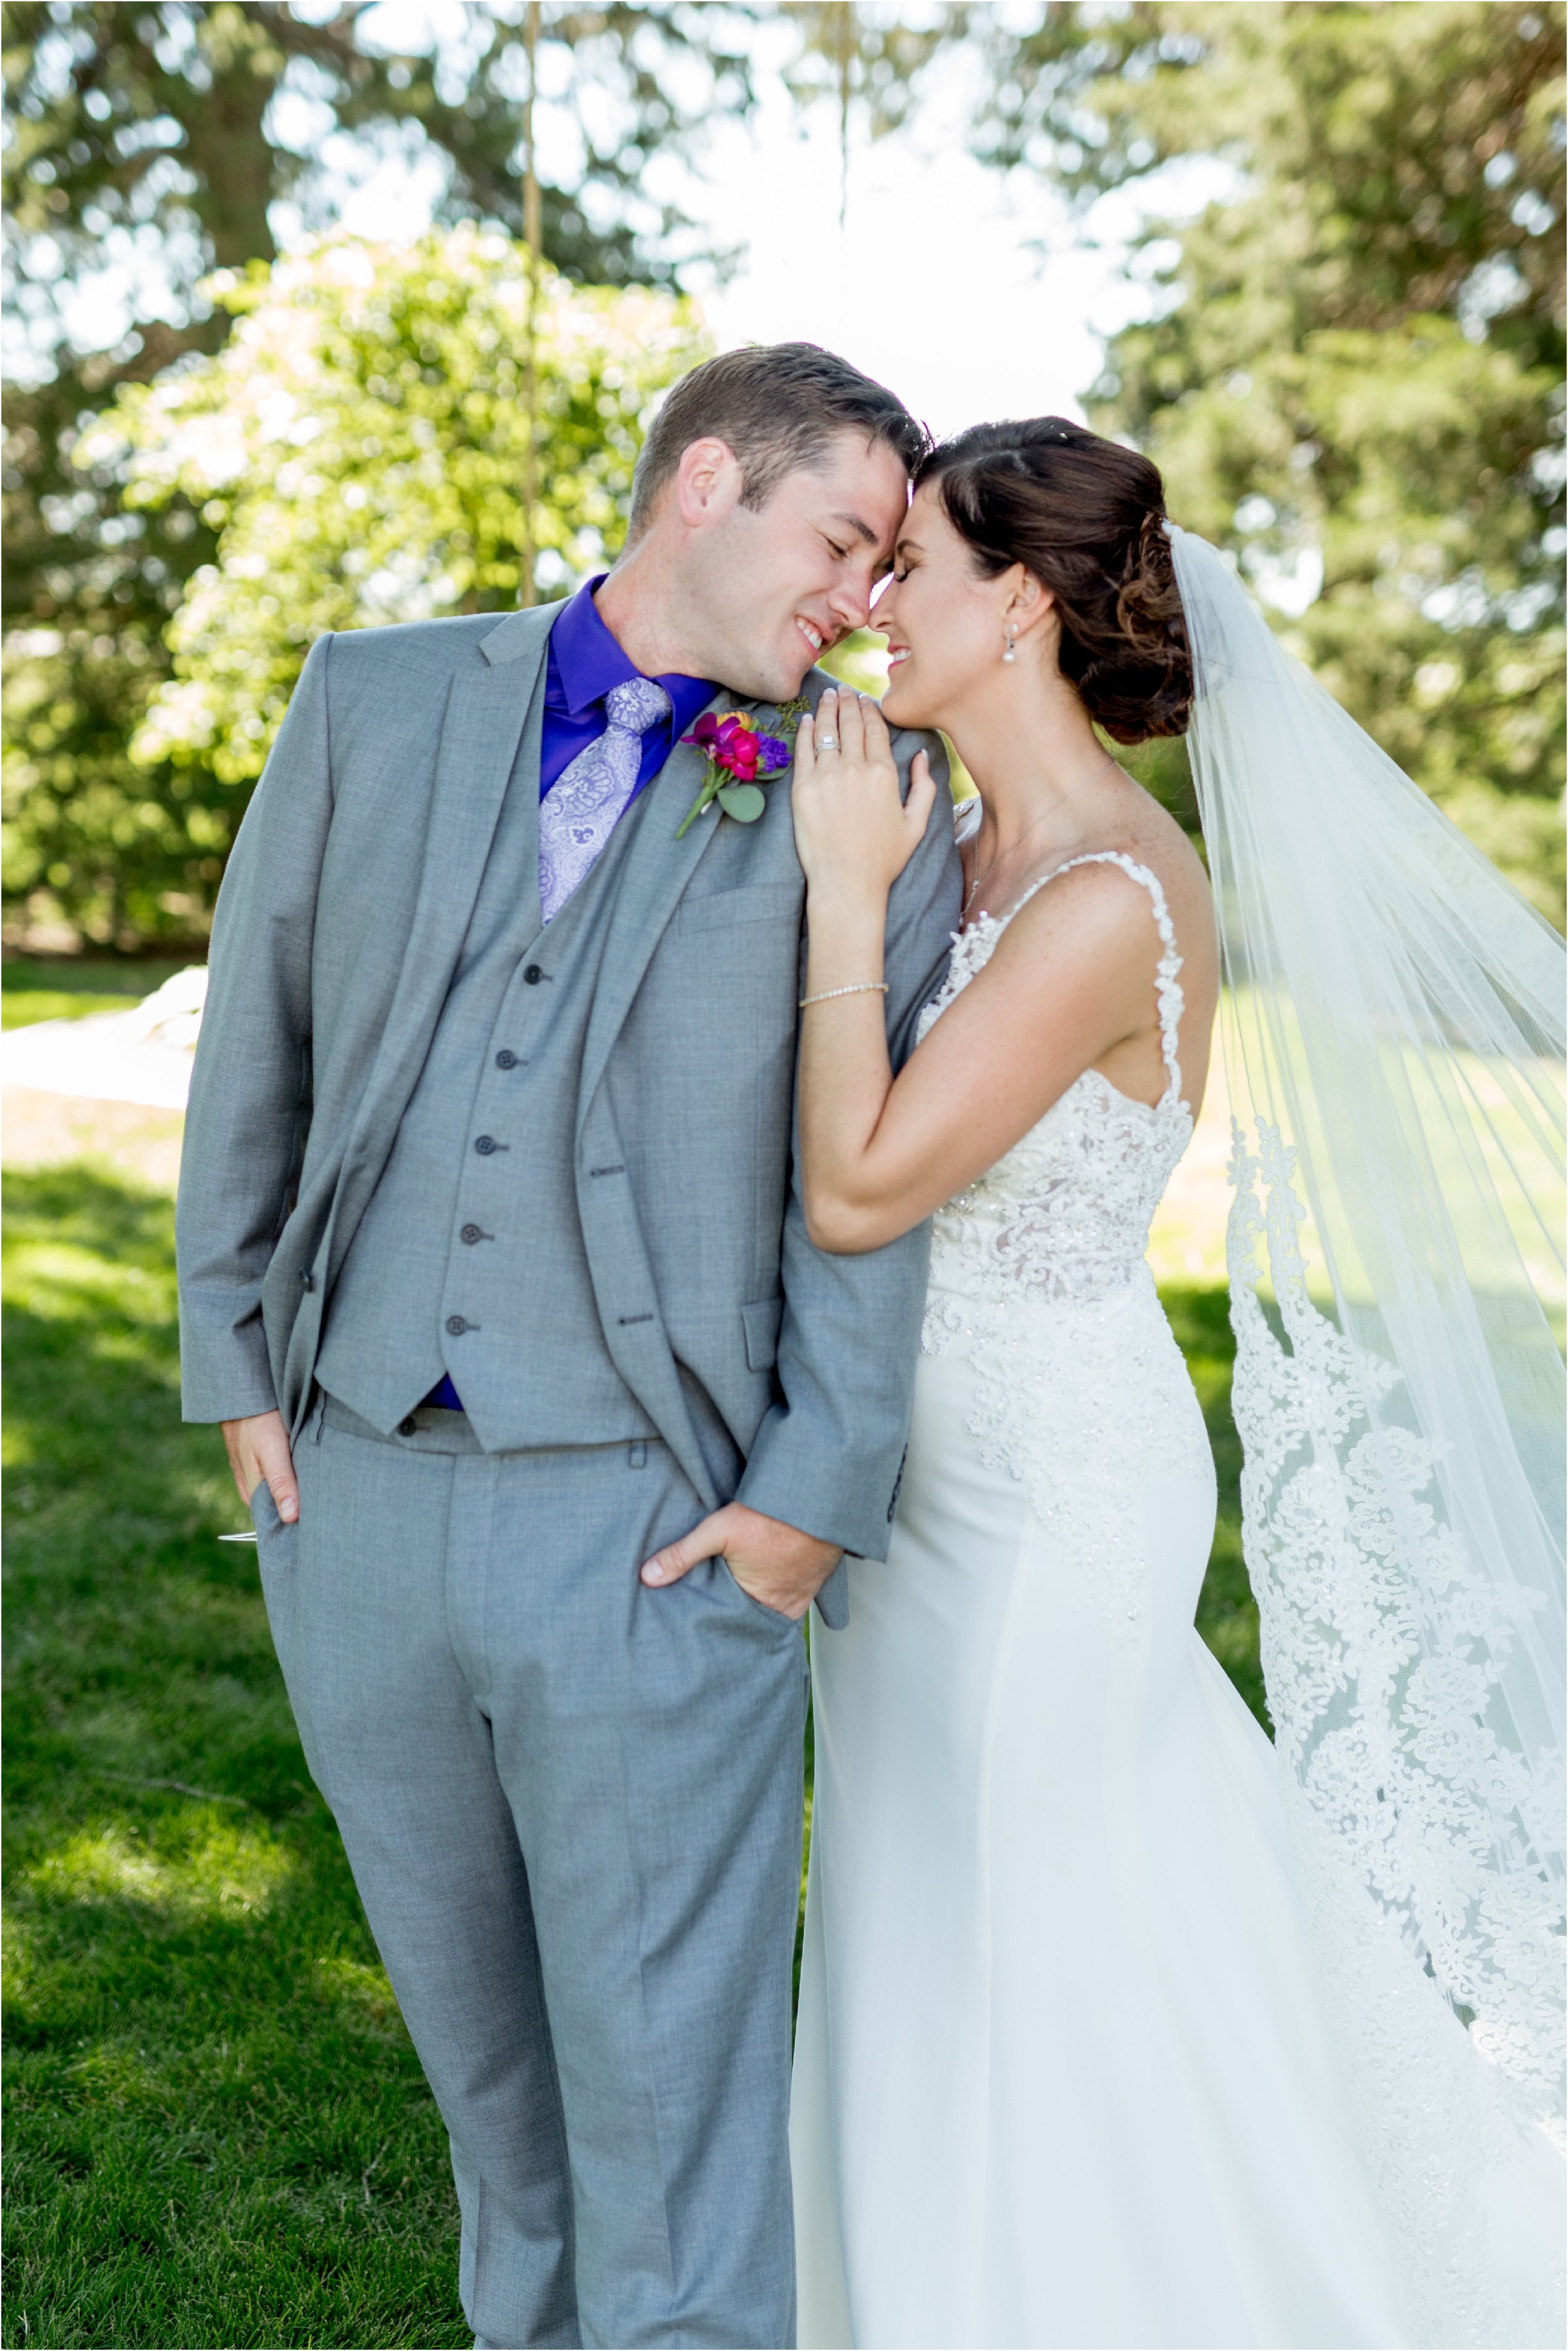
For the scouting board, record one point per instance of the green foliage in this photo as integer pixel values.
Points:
(1355, 356)
(871, 63)
(357, 449)
(35, 987)
(152, 142)
(166, 113)
(218, 2130)
(1352, 359)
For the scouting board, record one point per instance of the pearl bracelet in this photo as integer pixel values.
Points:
(859, 988)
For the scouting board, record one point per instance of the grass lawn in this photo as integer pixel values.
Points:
(36, 987)
(1226, 1612)
(218, 2130)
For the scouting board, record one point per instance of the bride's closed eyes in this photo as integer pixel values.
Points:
(905, 558)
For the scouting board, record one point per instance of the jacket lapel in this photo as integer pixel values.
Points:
(492, 696)
(651, 881)
(652, 877)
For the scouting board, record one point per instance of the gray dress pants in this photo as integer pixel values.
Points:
(572, 1806)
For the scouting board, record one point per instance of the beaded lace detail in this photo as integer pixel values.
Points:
(1066, 1213)
(1037, 1275)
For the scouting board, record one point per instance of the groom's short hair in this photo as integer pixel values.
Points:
(775, 407)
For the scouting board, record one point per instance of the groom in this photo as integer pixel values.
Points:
(493, 1268)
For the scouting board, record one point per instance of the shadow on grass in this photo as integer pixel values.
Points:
(219, 2133)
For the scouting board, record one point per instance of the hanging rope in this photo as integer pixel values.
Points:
(533, 235)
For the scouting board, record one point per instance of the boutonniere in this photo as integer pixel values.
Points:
(740, 759)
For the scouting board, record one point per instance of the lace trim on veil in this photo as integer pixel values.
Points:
(1394, 1037)
(1385, 1760)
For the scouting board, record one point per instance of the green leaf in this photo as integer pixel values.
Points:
(419, 422)
(744, 803)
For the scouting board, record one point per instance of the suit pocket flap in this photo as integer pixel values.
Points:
(770, 901)
(762, 1319)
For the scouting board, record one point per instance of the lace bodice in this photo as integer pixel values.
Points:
(1038, 1279)
(1067, 1214)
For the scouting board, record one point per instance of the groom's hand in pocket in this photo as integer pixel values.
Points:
(775, 1565)
(258, 1455)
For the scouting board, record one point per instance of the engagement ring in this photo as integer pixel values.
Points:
(827, 742)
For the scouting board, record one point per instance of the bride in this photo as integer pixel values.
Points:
(1119, 2025)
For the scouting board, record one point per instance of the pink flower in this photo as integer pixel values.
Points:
(739, 759)
(733, 744)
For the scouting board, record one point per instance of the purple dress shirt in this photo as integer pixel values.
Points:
(585, 661)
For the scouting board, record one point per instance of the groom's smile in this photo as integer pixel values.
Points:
(796, 573)
(752, 587)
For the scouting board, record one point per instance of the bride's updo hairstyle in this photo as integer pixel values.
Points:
(1088, 518)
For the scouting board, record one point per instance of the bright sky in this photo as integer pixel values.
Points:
(971, 296)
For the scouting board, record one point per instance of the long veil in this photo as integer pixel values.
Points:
(1394, 1045)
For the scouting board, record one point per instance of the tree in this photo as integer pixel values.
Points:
(160, 138)
(1353, 369)
(874, 65)
(165, 114)
(356, 448)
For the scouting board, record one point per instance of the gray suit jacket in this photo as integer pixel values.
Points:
(340, 921)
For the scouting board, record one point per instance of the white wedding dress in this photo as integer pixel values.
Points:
(1065, 2072)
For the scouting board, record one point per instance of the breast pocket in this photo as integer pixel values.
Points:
(724, 910)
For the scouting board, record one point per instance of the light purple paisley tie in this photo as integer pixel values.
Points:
(577, 816)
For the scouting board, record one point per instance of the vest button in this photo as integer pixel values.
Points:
(455, 1326)
(532, 975)
(471, 1233)
(407, 1427)
(506, 1058)
(484, 1144)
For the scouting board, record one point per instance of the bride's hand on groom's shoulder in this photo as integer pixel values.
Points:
(850, 823)
(775, 1565)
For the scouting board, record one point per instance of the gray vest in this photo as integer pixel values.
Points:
(469, 1255)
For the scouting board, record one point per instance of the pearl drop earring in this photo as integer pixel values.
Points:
(1007, 652)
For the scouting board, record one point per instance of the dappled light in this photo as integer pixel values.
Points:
(218, 1867)
(205, 2054)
